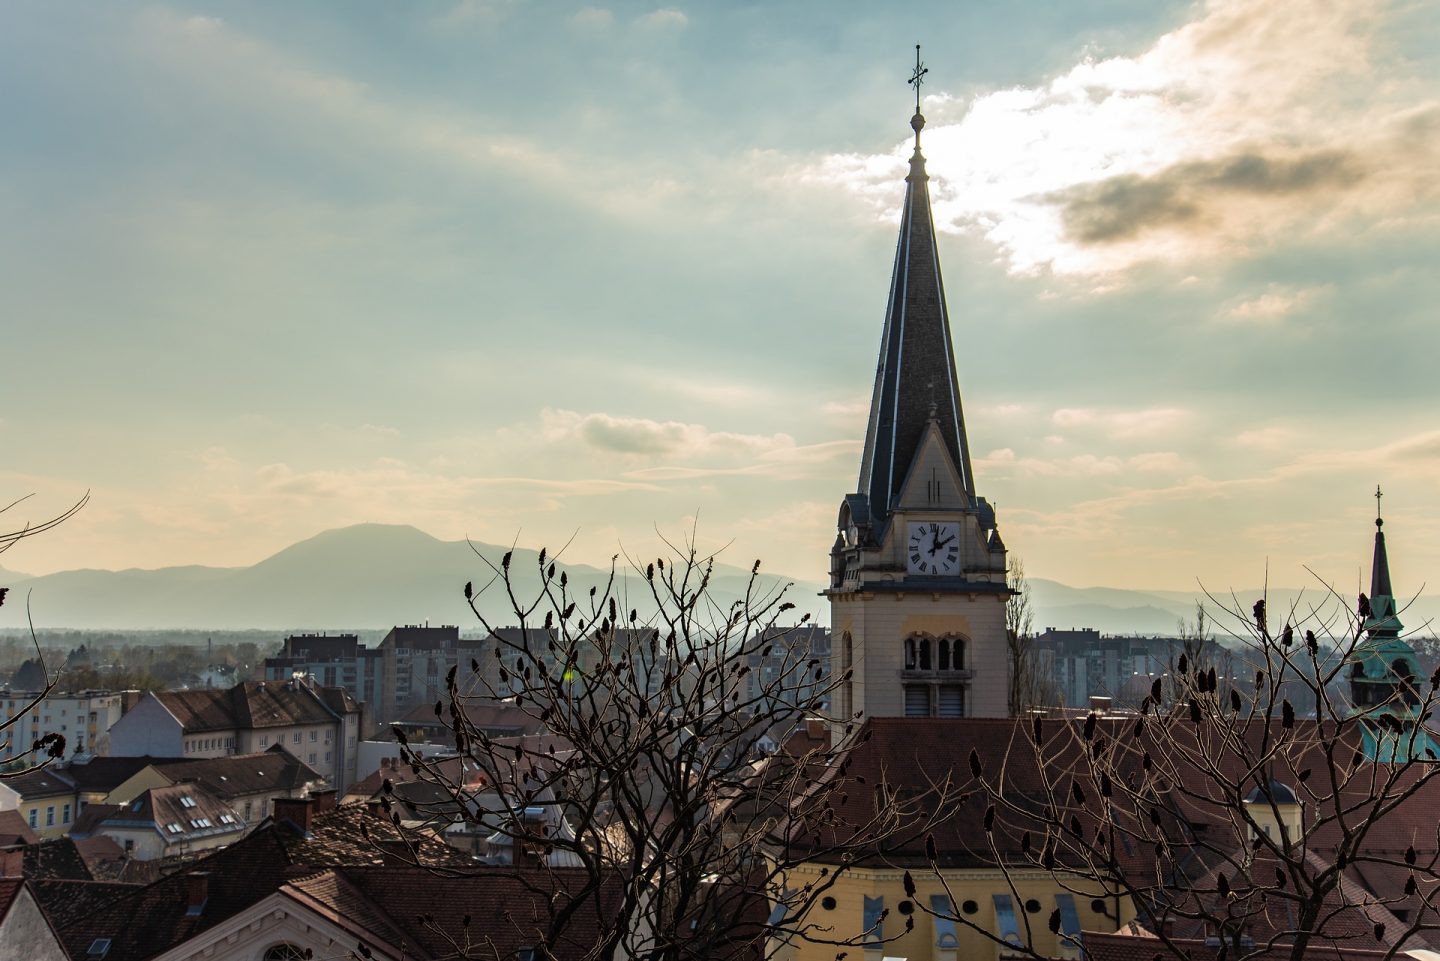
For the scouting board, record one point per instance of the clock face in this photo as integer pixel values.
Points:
(933, 548)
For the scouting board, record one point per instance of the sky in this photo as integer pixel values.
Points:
(519, 270)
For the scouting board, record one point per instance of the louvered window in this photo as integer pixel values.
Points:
(952, 701)
(917, 700)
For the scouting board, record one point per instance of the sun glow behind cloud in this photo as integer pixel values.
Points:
(1253, 121)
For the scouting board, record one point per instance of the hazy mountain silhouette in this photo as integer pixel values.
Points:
(378, 575)
(368, 575)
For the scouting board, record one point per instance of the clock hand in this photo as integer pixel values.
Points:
(939, 544)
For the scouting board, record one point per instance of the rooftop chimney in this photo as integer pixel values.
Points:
(324, 801)
(298, 811)
(12, 863)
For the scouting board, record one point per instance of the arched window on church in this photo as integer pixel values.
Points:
(944, 655)
(1358, 670)
(910, 659)
(925, 654)
(957, 654)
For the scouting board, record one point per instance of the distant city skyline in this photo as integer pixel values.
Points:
(541, 271)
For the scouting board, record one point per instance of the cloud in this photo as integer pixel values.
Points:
(592, 18)
(665, 18)
(643, 437)
(1277, 303)
(245, 73)
(1422, 447)
(1082, 465)
(848, 409)
(1192, 195)
(1253, 123)
(1123, 424)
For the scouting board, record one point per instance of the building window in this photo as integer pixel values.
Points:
(312, 759)
(328, 735)
(50, 816)
(1005, 924)
(264, 740)
(65, 814)
(951, 701)
(284, 952)
(314, 736)
(873, 932)
(295, 738)
(327, 757)
(917, 700)
(34, 817)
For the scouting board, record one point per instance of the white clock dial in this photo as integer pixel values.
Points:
(933, 548)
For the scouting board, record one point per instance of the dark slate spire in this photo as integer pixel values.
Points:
(916, 372)
(1382, 621)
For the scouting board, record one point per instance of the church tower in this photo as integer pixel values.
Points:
(1383, 665)
(917, 573)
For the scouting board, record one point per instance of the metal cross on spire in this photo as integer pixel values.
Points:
(918, 77)
(1378, 494)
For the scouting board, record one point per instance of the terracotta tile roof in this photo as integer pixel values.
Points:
(67, 901)
(178, 813)
(1121, 947)
(239, 876)
(14, 829)
(914, 755)
(255, 704)
(398, 772)
(275, 771)
(89, 819)
(494, 911)
(45, 782)
(102, 856)
(57, 858)
(495, 718)
(9, 890)
(105, 774)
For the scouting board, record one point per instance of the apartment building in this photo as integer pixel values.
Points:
(83, 717)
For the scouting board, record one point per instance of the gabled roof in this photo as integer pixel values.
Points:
(239, 876)
(915, 378)
(105, 774)
(42, 783)
(275, 771)
(56, 858)
(14, 829)
(66, 901)
(177, 812)
(498, 909)
(255, 704)
(9, 890)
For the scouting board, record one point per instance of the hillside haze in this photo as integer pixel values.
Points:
(373, 576)
(368, 575)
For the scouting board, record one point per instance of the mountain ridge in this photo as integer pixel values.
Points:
(372, 576)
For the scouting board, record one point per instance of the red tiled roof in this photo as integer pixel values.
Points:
(1121, 947)
(495, 910)
(42, 783)
(9, 890)
(14, 829)
(256, 704)
(239, 876)
(178, 813)
(272, 771)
